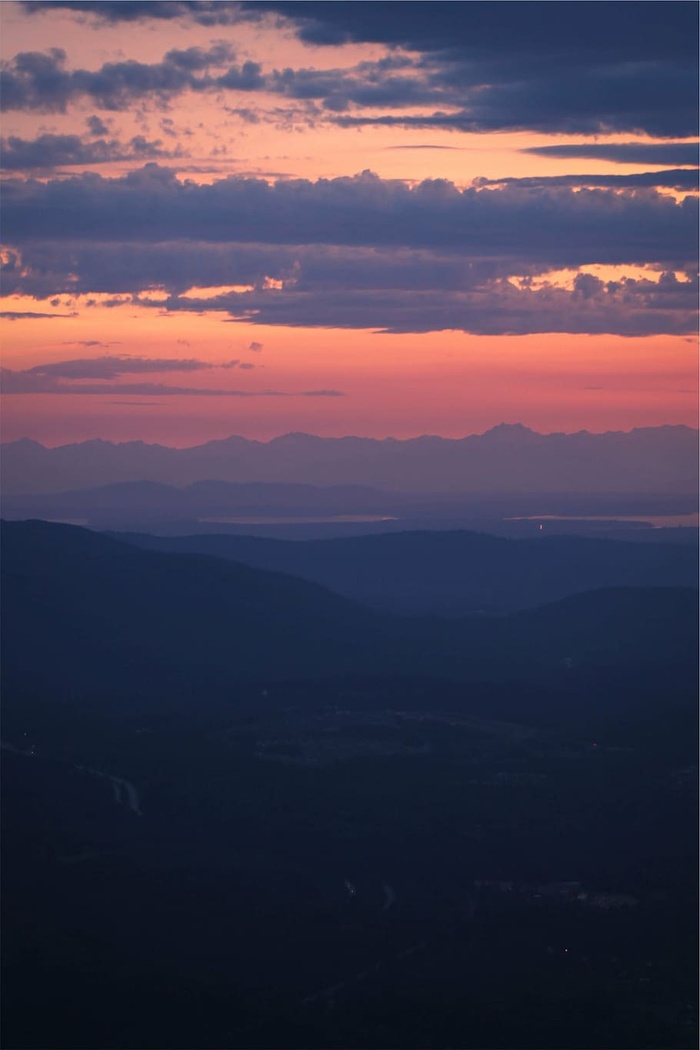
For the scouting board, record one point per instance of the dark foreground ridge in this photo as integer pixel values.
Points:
(241, 811)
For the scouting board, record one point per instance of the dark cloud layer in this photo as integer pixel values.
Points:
(203, 12)
(673, 153)
(635, 34)
(499, 307)
(684, 179)
(554, 67)
(554, 226)
(638, 33)
(359, 252)
(572, 66)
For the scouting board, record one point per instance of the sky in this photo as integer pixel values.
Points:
(383, 219)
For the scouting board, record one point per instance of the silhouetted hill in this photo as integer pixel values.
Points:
(451, 573)
(83, 612)
(507, 458)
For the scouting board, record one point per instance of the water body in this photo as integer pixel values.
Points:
(657, 521)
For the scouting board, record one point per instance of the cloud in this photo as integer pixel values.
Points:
(555, 107)
(358, 252)
(35, 80)
(493, 307)
(570, 30)
(110, 367)
(422, 146)
(91, 342)
(51, 151)
(31, 315)
(565, 68)
(69, 377)
(255, 347)
(202, 12)
(96, 126)
(114, 366)
(557, 226)
(675, 153)
(31, 381)
(676, 178)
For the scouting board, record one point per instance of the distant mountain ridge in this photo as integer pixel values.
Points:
(507, 458)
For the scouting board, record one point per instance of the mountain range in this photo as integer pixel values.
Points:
(509, 458)
(87, 615)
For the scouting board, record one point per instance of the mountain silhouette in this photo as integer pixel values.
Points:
(84, 615)
(507, 458)
(451, 572)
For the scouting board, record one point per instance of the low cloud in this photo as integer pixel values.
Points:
(666, 153)
(112, 367)
(423, 146)
(32, 315)
(89, 343)
(676, 178)
(499, 307)
(255, 347)
(32, 382)
(48, 152)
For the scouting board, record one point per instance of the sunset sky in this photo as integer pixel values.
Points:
(347, 218)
